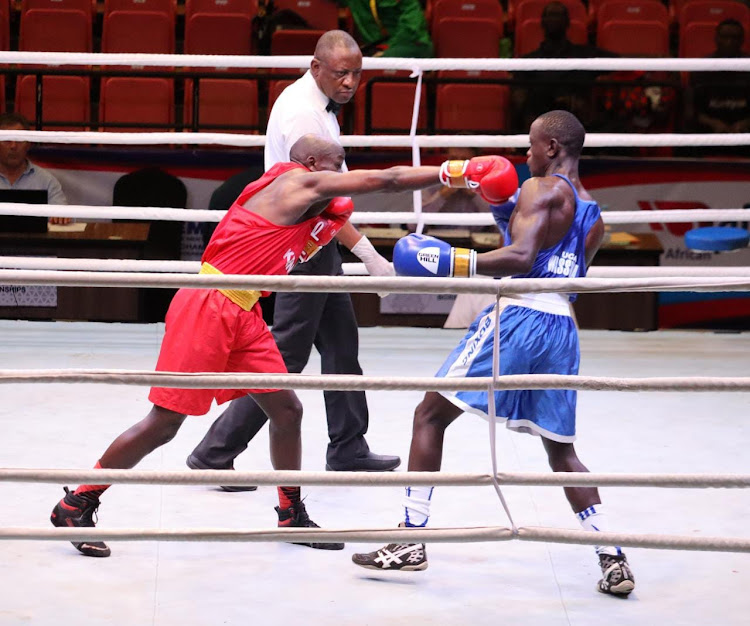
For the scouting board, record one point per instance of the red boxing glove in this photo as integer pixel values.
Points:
(494, 176)
(330, 221)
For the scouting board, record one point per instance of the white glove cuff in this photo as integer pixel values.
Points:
(365, 250)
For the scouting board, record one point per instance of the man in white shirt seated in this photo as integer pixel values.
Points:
(17, 172)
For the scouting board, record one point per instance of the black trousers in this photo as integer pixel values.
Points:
(301, 321)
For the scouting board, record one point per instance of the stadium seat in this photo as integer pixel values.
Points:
(157, 6)
(64, 99)
(634, 38)
(241, 7)
(224, 102)
(285, 42)
(319, 14)
(529, 35)
(218, 33)
(138, 101)
(482, 9)
(475, 107)
(87, 6)
(4, 25)
(595, 5)
(138, 31)
(532, 9)
(390, 108)
(51, 30)
(714, 11)
(464, 37)
(631, 10)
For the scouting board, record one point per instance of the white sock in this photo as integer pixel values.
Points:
(417, 505)
(594, 519)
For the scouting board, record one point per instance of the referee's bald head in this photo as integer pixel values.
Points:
(328, 43)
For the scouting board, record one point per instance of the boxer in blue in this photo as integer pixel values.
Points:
(554, 231)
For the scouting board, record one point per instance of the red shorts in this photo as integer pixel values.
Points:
(207, 332)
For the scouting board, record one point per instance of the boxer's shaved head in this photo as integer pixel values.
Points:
(317, 153)
(565, 128)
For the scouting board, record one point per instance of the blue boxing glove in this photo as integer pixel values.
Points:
(425, 256)
(502, 212)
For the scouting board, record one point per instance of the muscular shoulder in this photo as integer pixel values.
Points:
(544, 191)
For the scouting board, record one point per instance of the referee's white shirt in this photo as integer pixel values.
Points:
(299, 110)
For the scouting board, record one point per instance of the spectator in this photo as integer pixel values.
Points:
(721, 100)
(545, 91)
(17, 172)
(391, 28)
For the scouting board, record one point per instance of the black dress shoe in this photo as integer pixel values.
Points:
(194, 463)
(369, 462)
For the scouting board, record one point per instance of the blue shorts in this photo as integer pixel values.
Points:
(531, 342)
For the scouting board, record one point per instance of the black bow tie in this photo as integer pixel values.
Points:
(333, 107)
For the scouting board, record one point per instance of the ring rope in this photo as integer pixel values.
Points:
(363, 217)
(367, 479)
(350, 269)
(214, 61)
(593, 140)
(372, 284)
(344, 382)
(411, 535)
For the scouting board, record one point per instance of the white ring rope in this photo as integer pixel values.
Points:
(369, 63)
(362, 217)
(411, 535)
(372, 284)
(344, 382)
(593, 140)
(350, 269)
(369, 479)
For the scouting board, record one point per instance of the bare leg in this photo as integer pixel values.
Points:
(563, 458)
(284, 412)
(431, 417)
(157, 428)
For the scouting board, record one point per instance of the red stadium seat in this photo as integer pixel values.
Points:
(157, 6)
(390, 109)
(698, 40)
(275, 87)
(463, 37)
(532, 9)
(529, 35)
(631, 10)
(242, 7)
(138, 31)
(478, 107)
(634, 39)
(4, 25)
(64, 99)
(223, 102)
(483, 9)
(595, 5)
(137, 101)
(319, 14)
(49, 30)
(87, 6)
(714, 11)
(218, 33)
(285, 42)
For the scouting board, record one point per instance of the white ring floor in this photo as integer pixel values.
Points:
(166, 584)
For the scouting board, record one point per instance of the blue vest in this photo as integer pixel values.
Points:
(567, 258)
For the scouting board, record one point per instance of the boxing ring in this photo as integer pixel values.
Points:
(683, 431)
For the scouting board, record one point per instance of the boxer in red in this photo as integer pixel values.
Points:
(283, 217)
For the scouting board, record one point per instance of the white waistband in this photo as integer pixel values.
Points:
(555, 303)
